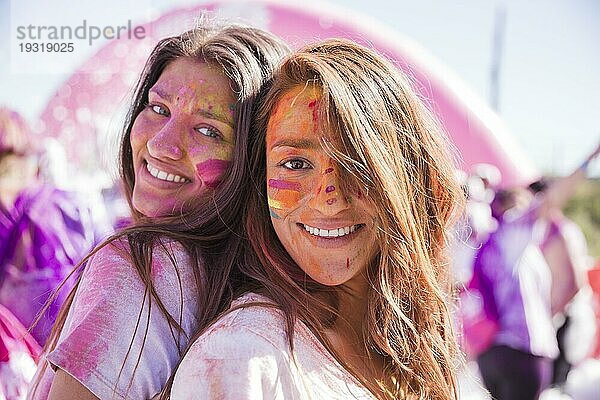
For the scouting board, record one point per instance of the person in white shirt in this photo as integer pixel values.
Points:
(346, 292)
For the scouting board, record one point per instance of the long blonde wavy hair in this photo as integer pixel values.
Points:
(387, 142)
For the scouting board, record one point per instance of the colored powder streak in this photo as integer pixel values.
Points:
(286, 185)
(315, 117)
(287, 199)
(331, 201)
(273, 214)
(274, 203)
(329, 189)
(329, 170)
(210, 171)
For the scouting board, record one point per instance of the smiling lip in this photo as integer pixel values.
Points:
(165, 176)
(331, 241)
(331, 233)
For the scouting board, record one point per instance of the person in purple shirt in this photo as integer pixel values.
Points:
(44, 231)
(515, 283)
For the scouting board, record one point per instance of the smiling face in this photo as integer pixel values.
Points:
(183, 141)
(330, 233)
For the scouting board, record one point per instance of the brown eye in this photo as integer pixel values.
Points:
(297, 164)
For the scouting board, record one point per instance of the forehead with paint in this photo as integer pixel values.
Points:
(292, 129)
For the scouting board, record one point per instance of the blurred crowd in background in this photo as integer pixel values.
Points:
(528, 313)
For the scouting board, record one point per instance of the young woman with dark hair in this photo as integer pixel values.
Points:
(183, 166)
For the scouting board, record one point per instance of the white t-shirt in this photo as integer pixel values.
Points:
(245, 355)
(96, 346)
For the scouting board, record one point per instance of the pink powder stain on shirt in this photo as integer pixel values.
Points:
(89, 354)
(211, 171)
(285, 185)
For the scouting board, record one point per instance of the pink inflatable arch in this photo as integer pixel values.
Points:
(86, 104)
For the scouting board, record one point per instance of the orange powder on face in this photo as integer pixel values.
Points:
(283, 199)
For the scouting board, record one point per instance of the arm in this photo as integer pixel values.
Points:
(65, 387)
(561, 190)
(116, 342)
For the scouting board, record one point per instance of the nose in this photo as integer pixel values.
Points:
(329, 197)
(167, 143)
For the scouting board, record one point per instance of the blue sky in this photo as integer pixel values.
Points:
(549, 78)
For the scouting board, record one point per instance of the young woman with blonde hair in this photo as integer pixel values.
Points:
(347, 292)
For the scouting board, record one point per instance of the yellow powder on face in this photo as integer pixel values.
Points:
(275, 204)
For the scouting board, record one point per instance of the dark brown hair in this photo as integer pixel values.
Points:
(209, 230)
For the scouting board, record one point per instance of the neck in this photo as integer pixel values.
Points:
(348, 330)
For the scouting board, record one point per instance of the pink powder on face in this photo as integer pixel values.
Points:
(329, 170)
(286, 185)
(331, 201)
(329, 189)
(211, 171)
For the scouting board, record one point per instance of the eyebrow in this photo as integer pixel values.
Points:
(297, 143)
(204, 113)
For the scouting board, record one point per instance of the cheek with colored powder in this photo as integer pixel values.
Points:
(211, 171)
(283, 196)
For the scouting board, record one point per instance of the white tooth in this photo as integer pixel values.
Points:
(333, 233)
(162, 175)
(154, 172)
(314, 231)
(323, 232)
(170, 177)
(352, 228)
(307, 228)
(341, 232)
(347, 230)
(176, 179)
